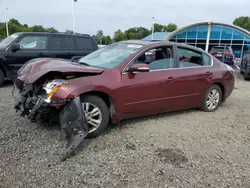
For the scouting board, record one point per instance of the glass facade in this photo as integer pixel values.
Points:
(220, 35)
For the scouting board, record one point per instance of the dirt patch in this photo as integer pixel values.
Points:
(175, 157)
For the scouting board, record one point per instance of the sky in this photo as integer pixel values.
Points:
(111, 15)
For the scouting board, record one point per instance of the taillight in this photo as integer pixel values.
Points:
(228, 53)
(153, 54)
(211, 52)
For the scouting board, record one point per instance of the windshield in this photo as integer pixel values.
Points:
(4, 43)
(110, 56)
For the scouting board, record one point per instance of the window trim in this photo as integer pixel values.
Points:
(32, 49)
(196, 51)
(175, 59)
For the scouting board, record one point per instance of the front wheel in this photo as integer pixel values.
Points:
(96, 114)
(212, 99)
(1, 78)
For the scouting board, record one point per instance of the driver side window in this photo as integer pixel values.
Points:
(33, 42)
(157, 59)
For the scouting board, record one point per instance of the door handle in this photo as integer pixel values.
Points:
(170, 79)
(209, 73)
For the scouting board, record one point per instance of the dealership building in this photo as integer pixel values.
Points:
(205, 35)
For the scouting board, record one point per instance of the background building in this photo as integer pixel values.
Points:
(205, 35)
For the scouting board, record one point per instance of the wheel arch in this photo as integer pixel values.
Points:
(2, 67)
(106, 98)
(222, 87)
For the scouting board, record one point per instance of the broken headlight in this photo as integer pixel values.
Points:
(52, 87)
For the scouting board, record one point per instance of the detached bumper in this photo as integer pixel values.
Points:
(74, 125)
(71, 116)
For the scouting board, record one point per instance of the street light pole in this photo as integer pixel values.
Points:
(6, 17)
(74, 15)
(153, 28)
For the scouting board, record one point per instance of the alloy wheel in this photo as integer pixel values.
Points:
(213, 99)
(93, 115)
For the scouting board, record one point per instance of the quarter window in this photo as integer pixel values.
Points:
(33, 42)
(63, 43)
(206, 60)
(84, 43)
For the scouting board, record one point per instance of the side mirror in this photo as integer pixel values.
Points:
(15, 47)
(139, 68)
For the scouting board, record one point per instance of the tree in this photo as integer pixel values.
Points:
(51, 30)
(15, 26)
(68, 31)
(99, 33)
(159, 28)
(163, 28)
(118, 36)
(171, 27)
(243, 22)
(37, 28)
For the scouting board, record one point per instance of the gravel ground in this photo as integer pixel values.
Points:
(182, 149)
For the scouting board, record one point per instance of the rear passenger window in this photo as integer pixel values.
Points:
(63, 43)
(84, 43)
(189, 58)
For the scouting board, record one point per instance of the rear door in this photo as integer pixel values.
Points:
(194, 77)
(32, 46)
(61, 46)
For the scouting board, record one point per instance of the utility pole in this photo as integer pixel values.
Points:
(6, 17)
(153, 28)
(74, 15)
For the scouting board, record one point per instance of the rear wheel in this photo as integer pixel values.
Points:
(1, 78)
(96, 114)
(212, 99)
(246, 77)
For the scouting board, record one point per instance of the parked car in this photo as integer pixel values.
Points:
(224, 54)
(245, 66)
(1, 40)
(116, 83)
(19, 48)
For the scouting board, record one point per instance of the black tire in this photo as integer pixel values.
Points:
(1, 78)
(99, 103)
(204, 106)
(241, 71)
(246, 77)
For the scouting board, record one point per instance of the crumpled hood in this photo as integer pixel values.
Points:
(36, 68)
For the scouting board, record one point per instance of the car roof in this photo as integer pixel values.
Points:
(157, 43)
(53, 33)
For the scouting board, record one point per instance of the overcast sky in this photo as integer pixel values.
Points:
(110, 15)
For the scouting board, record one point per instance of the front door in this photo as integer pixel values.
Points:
(153, 91)
(31, 46)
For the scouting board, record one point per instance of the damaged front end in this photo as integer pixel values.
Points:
(36, 102)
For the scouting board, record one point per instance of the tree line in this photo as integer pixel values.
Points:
(131, 33)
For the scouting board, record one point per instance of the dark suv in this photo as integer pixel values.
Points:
(19, 48)
(224, 54)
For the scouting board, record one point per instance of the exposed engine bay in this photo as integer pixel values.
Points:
(35, 101)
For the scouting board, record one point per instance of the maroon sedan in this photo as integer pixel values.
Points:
(118, 82)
